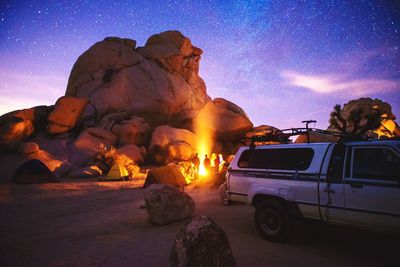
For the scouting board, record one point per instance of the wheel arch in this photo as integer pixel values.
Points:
(291, 206)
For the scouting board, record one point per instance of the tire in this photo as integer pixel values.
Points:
(273, 220)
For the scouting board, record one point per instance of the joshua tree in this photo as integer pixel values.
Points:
(357, 122)
(336, 120)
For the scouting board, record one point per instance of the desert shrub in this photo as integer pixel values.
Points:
(110, 157)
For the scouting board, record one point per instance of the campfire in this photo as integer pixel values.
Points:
(203, 171)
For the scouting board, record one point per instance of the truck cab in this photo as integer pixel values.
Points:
(350, 183)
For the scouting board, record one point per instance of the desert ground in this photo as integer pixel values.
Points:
(88, 223)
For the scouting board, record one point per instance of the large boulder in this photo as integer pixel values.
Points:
(92, 140)
(165, 175)
(28, 148)
(133, 131)
(108, 121)
(314, 137)
(265, 134)
(175, 53)
(171, 49)
(168, 143)
(65, 114)
(134, 153)
(116, 78)
(224, 119)
(275, 136)
(262, 130)
(97, 64)
(166, 204)
(388, 128)
(57, 145)
(201, 242)
(19, 125)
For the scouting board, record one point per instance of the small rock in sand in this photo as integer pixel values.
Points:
(201, 242)
(166, 204)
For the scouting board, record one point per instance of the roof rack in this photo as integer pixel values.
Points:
(283, 136)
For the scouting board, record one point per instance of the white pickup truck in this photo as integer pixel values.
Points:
(351, 183)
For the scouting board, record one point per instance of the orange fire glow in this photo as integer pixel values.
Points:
(202, 169)
(204, 146)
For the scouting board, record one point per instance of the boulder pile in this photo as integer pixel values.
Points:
(146, 102)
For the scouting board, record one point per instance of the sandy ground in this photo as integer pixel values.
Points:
(101, 224)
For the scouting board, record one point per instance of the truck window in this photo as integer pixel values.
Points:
(277, 159)
(244, 159)
(335, 169)
(378, 163)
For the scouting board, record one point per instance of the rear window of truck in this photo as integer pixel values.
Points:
(277, 159)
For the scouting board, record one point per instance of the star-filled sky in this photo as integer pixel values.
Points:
(281, 61)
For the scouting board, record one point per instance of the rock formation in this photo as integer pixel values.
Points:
(170, 143)
(227, 121)
(65, 114)
(314, 137)
(159, 81)
(201, 242)
(166, 204)
(28, 148)
(19, 125)
(262, 130)
(143, 101)
(134, 153)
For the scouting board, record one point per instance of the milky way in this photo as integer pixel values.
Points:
(281, 61)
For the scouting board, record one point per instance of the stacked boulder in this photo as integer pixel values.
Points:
(65, 115)
(20, 125)
(146, 102)
(159, 81)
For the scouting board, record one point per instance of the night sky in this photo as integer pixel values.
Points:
(281, 61)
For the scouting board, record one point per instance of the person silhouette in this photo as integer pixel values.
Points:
(206, 163)
(196, 163)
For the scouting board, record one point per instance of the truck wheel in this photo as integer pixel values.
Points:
(272, 221)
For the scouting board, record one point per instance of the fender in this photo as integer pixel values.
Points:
(282, 192)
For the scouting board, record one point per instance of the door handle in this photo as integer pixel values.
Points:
(355, 185)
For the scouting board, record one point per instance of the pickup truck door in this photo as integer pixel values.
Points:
(331, 188)
(372, 187)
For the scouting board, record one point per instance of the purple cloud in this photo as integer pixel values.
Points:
(332, 83)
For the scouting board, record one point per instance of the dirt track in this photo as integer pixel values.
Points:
(100, 224)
